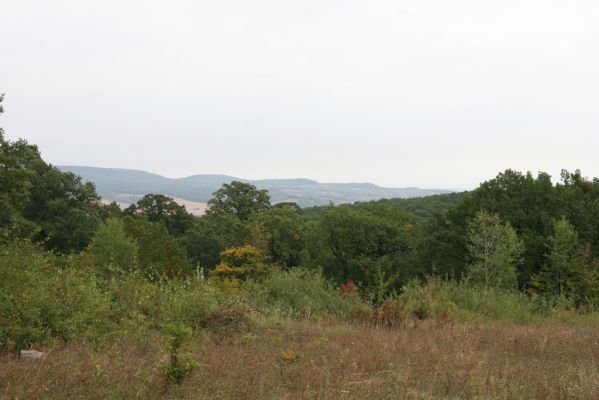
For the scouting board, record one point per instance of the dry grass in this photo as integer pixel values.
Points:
(330, 360)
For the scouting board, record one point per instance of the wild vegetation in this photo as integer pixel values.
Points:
(487, 294)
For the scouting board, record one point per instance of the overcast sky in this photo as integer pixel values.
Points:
(429, 93)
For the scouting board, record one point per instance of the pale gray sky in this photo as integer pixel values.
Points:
(429, 93)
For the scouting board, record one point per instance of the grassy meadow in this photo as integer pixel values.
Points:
(328, 359)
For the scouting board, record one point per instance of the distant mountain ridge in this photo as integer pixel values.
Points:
(128, 185)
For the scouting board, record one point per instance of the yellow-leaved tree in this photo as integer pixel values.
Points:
(240, 263)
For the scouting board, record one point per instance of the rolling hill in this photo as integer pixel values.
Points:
(127, 186)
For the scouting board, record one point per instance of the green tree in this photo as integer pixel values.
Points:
(284, 235)
(39, 201)
(582, 284)
(111, 210)
(239, 199)
(210, 235)
(563, 246)
(66, 209)
(161, 208)
(289, 205)
(361, 246)
(495, 251)
(16, 159)
(578, 200)
(159, 253)
(111, 248)
(528, 203)
(15, 186)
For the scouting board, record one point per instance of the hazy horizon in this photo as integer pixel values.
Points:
(430, 94)
(64, 166)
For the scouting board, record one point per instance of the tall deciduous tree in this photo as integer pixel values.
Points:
(239, 199)
(39, 201)
(563, 246)
(284, 235)
(159, 253)
(210, 235)
(164, 209)
(495, 251)
(240, 263)
(583, 283)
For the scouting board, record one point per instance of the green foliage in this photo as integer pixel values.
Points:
(582, 280)
(529, 204)
(159, 253)
(426, 301)
(361, 245)
(111, 210)
(495, 251)
(66, 210)
(141, 305)
(284, 235)
(423, 208)
(210, 235)
(180, 364)
(563, 246)
(578, 200)
(442, 299)
(159, 208)
(39, 300)
(37, 200)
(17, 162)
(523, 201)
(111, 248)
(238, 199)
(302, 292)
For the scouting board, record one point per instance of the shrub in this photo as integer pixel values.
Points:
(179, 364)
(111, 248)
(39, 300)
(427, 300)
(188, 302)
(390, 313)
(300, 292)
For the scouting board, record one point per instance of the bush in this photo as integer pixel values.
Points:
(390, 313)
(39, 301)
(150, 304)
(300, 292)
(111, 249)
(429, 300)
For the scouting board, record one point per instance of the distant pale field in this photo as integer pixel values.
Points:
(327, 360)
(193, 207)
